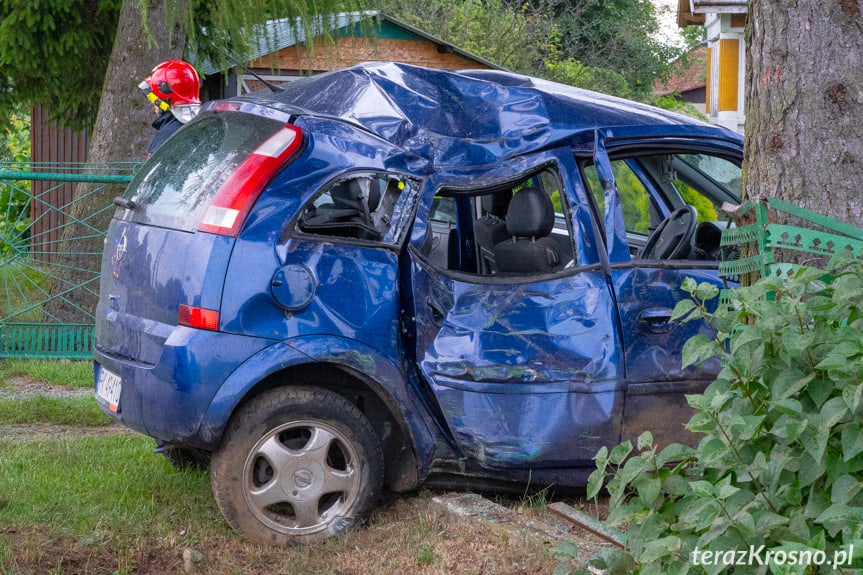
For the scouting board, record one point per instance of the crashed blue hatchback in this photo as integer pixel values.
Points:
(389, 276)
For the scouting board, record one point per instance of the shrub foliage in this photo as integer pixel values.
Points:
(781, 459)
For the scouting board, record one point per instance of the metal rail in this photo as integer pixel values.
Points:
(45, 231)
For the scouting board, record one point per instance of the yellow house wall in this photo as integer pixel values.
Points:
(729, 59)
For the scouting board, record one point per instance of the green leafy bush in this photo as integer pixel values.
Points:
(781, 459)
(14, 204)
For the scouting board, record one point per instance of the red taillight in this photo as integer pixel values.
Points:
(225, 216)
(198, 317)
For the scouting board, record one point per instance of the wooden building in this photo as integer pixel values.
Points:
(282, 53)
(281, 56)
(688, 82)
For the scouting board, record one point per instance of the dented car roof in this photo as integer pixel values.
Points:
(473, 117)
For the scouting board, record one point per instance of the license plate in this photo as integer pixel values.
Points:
(109, 388)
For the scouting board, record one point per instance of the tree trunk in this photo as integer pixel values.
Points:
(804, 105)
(122, 133)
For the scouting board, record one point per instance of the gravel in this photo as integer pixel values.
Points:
(38, 432)
(21, 386)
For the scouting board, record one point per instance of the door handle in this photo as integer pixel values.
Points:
(656, 319)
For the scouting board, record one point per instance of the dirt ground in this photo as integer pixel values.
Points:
(405, 535)
(24, 386)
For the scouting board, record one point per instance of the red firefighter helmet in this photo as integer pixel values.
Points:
(175, 82)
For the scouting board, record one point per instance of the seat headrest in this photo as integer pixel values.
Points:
(374, 198)
(348, 195)
(708, 235)
(530, 214)
(497, 203)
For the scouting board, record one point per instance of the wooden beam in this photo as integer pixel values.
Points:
(588, 523)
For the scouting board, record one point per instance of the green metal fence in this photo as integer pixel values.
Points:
(823, 239)
(48, 226)
(38, 229)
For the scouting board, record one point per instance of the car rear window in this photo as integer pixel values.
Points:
(178, 183)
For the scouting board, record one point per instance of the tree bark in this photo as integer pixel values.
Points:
(804, 105)
(122, 133)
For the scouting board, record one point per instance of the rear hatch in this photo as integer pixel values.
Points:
(169, 245)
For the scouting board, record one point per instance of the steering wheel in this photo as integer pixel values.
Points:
(672, 239)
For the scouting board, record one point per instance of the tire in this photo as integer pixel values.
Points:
(297, 465)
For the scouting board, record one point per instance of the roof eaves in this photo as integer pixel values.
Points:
(718, 6)
(665, 91)
(685, 17)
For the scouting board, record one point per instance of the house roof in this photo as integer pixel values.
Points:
(283, 33)
(685, 78)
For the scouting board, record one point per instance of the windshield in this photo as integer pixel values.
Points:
(724, 173)
(178, 183)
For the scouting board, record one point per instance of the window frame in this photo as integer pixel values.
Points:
(653, 192)
(631, 151)
(471, 195)
(409, 199)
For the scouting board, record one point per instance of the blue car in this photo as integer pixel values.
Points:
(389, 276)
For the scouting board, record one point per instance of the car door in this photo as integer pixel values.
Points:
(525, 366)
(647, 183)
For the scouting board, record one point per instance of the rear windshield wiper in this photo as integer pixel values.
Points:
(125, 203)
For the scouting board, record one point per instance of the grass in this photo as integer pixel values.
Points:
(51, 371)
(21, 287)
(109, 505)
(104, 488)
(81, 410)
(534, 500)
(43, 409)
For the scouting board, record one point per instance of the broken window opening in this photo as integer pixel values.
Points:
(519, 228)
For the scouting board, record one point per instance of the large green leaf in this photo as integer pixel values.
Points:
(619, 453)
(648, 489)
(852, 440)
(674, 452)
(645, 441)
(682, 308)
(661, 548)
(844, 489)
(790, 383)
(697, 348)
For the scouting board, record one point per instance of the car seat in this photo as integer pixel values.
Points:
(490, 229)
(529, 249)
(349, 214)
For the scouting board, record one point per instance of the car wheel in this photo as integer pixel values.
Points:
(297, 465)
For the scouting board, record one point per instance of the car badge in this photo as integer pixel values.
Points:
(119, 252)
(121, 248)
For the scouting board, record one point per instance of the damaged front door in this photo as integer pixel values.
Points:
(515, 338)
(663, 223)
